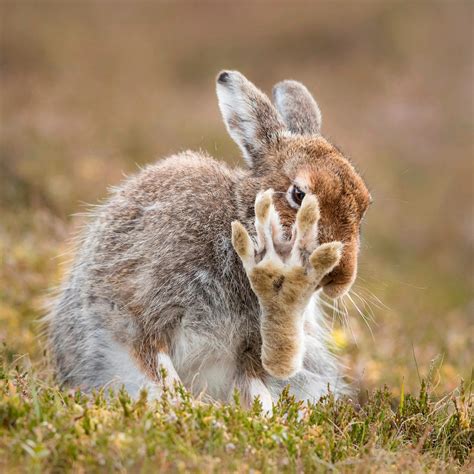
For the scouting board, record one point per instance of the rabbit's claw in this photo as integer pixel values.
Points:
(277, 280)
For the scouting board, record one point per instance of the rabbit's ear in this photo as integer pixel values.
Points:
(250, 117)
(298, 108)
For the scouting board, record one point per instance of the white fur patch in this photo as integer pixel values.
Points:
(164, 362)
(202, 367)
(258, 389)
(123, 370)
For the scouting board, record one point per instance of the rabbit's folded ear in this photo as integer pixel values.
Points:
(298, 108)
(250, 117)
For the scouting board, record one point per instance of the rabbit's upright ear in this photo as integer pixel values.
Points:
(250, 117)
(298, 108)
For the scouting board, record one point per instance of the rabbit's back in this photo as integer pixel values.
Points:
(155, 261)
(166, 223)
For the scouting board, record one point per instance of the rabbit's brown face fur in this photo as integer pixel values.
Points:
(284, 147)
(318, 168)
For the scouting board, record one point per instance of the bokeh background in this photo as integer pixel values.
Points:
(92, 90)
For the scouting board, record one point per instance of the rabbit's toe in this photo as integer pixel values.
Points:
(266, 223)
(326, 257)
(242, 243)
(306, 230)
(308, 215)
(263, 205)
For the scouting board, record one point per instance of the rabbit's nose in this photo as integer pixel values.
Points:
(327, 280)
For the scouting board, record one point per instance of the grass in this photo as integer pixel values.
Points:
(45, 429)
(89, 91)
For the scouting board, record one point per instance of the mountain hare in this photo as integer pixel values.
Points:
(213, 273)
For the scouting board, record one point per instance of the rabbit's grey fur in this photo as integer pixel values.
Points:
(156, 280)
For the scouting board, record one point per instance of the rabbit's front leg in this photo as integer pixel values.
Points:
(250, 383)
(165, 377)
(157, 366)
(284, 284)
(166, 371)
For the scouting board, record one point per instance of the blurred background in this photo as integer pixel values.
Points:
(92, 90)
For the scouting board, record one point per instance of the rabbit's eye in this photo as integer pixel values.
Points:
(297, 195)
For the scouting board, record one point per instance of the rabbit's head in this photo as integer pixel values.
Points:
(284, 149)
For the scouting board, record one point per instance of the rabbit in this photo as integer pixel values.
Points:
(213, 273)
